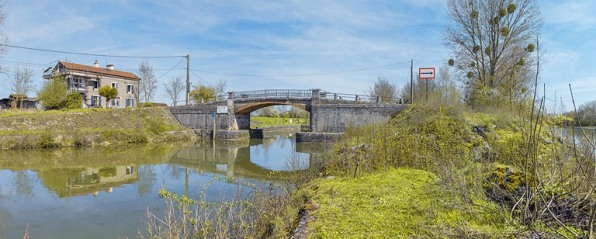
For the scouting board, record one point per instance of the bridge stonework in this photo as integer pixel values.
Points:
(329, 113)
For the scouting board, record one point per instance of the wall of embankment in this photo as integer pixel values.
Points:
(89, 127)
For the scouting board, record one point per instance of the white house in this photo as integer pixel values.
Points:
(88, 79)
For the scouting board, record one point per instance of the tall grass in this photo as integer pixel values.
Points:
(255, 210)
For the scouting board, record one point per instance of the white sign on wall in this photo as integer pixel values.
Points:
(222, 109)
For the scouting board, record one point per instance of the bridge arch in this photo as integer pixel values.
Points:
(250, 107)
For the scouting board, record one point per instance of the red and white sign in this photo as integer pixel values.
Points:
(426, 73)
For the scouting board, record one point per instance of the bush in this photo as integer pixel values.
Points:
(130, 136)
(157, 125)
(53, 93)
(46, 140)
(73, 100)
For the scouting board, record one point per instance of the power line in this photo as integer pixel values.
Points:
(199, 77)
(310, 74)
(170, 69)
(84, 54)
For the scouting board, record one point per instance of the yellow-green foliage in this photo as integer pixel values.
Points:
(508, 146)
(24, 129)
(129, 136)
(505, 178)
(419, 137)
(561, 120)
(257, 121)
(399, 203)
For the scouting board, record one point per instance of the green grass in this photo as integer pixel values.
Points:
(30, 112)
(256, 121)
(82, 127)
(399, 203)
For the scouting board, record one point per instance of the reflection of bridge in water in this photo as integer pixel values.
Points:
(81, 171)
(233, 158)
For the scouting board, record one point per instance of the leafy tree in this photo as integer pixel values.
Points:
(268, 111)
(383, 88)
(585, 114)
(492, 42)
(202, 94)
(108, 92)
(174, 88)
(53, 93)
(73, 100)
(148, 82)
(22, 82)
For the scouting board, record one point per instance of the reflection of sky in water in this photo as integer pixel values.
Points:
(275, 154)
(87, 203)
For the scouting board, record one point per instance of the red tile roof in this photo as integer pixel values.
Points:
(97, 70)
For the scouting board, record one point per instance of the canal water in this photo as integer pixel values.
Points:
(104, 192)
(590, 132)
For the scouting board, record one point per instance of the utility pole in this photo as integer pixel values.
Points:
(187, 78)
(412, 81)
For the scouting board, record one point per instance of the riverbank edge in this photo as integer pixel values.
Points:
(260, 133)
(327, 200)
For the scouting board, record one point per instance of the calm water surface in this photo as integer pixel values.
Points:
(104, 192)
(589, 131)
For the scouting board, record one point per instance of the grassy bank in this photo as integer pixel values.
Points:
(46, 129)
(436, 173)
(397, 203)
(260, 122)
(484, 175)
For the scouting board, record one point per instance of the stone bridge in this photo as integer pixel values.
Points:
(329, 112)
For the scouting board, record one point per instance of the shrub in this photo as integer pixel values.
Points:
(73, 100)
(52, 93)
(46, 140)
(130, 136)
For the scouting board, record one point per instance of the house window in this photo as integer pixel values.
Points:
(116, 102)
(95, 85)
(130, 89)
(130, 102)
(115, 85)
(94, 101)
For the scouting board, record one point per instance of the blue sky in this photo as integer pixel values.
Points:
(280, 44)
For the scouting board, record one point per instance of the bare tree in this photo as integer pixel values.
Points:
(492, 43)
(148, 83)
(383, 88)
(220, 89)
(22, 82)
(174, 88)
(3, 37)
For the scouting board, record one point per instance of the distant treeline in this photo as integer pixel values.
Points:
(585, 114)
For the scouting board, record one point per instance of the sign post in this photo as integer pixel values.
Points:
(426, 74)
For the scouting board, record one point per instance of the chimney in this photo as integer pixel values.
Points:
(96, 64)
(110, 66)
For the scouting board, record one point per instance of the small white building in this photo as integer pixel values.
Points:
(88, 79)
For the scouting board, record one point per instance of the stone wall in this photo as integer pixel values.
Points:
(337, 118)
(199, 117)
(315, 137)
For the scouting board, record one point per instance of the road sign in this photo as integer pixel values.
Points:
(426, 73)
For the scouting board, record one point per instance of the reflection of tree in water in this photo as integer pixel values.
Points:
(24, 182)
(174, 170)
(5, 218)
(146, 180)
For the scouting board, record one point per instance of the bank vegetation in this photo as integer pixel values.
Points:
(88, 127)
